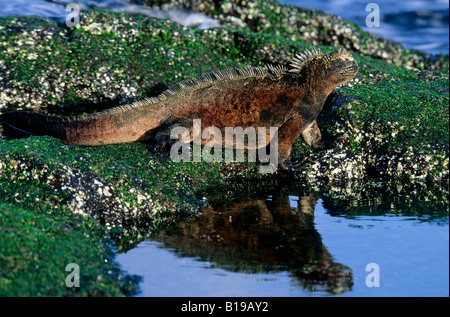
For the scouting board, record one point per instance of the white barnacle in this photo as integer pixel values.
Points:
(140, 198)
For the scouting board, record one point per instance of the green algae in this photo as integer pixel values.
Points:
(391, 130)
(409, 114)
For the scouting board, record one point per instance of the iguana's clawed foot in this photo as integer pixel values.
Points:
(294, 164)
(160, 148)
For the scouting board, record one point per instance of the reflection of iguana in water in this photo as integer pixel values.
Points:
(256, 235)
(249, 97)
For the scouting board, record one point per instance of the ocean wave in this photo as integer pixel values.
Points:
(57, 10)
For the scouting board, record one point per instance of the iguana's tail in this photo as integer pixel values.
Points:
(117, 125)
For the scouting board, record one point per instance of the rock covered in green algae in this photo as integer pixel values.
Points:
(115, 184)
(39, 239)
(392, 129)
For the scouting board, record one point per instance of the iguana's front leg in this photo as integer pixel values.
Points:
(313, 137)
(287, 135)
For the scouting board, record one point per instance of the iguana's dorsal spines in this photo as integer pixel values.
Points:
(341, 53)
(209, 78)
(277, 70)
(224, 75)
(301, 59)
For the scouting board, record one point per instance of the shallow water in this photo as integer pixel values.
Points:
(296, 245)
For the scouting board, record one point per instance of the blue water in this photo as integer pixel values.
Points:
(417, 24)
(412, 254)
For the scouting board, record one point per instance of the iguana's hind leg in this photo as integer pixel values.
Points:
(163, 141)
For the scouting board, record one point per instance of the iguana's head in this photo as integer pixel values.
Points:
(330, 70)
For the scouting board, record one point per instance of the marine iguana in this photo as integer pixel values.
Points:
(266, 96)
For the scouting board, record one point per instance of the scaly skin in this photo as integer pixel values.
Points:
(250, 97)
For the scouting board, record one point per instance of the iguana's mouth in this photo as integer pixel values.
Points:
(352, 68)
(350, 72)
